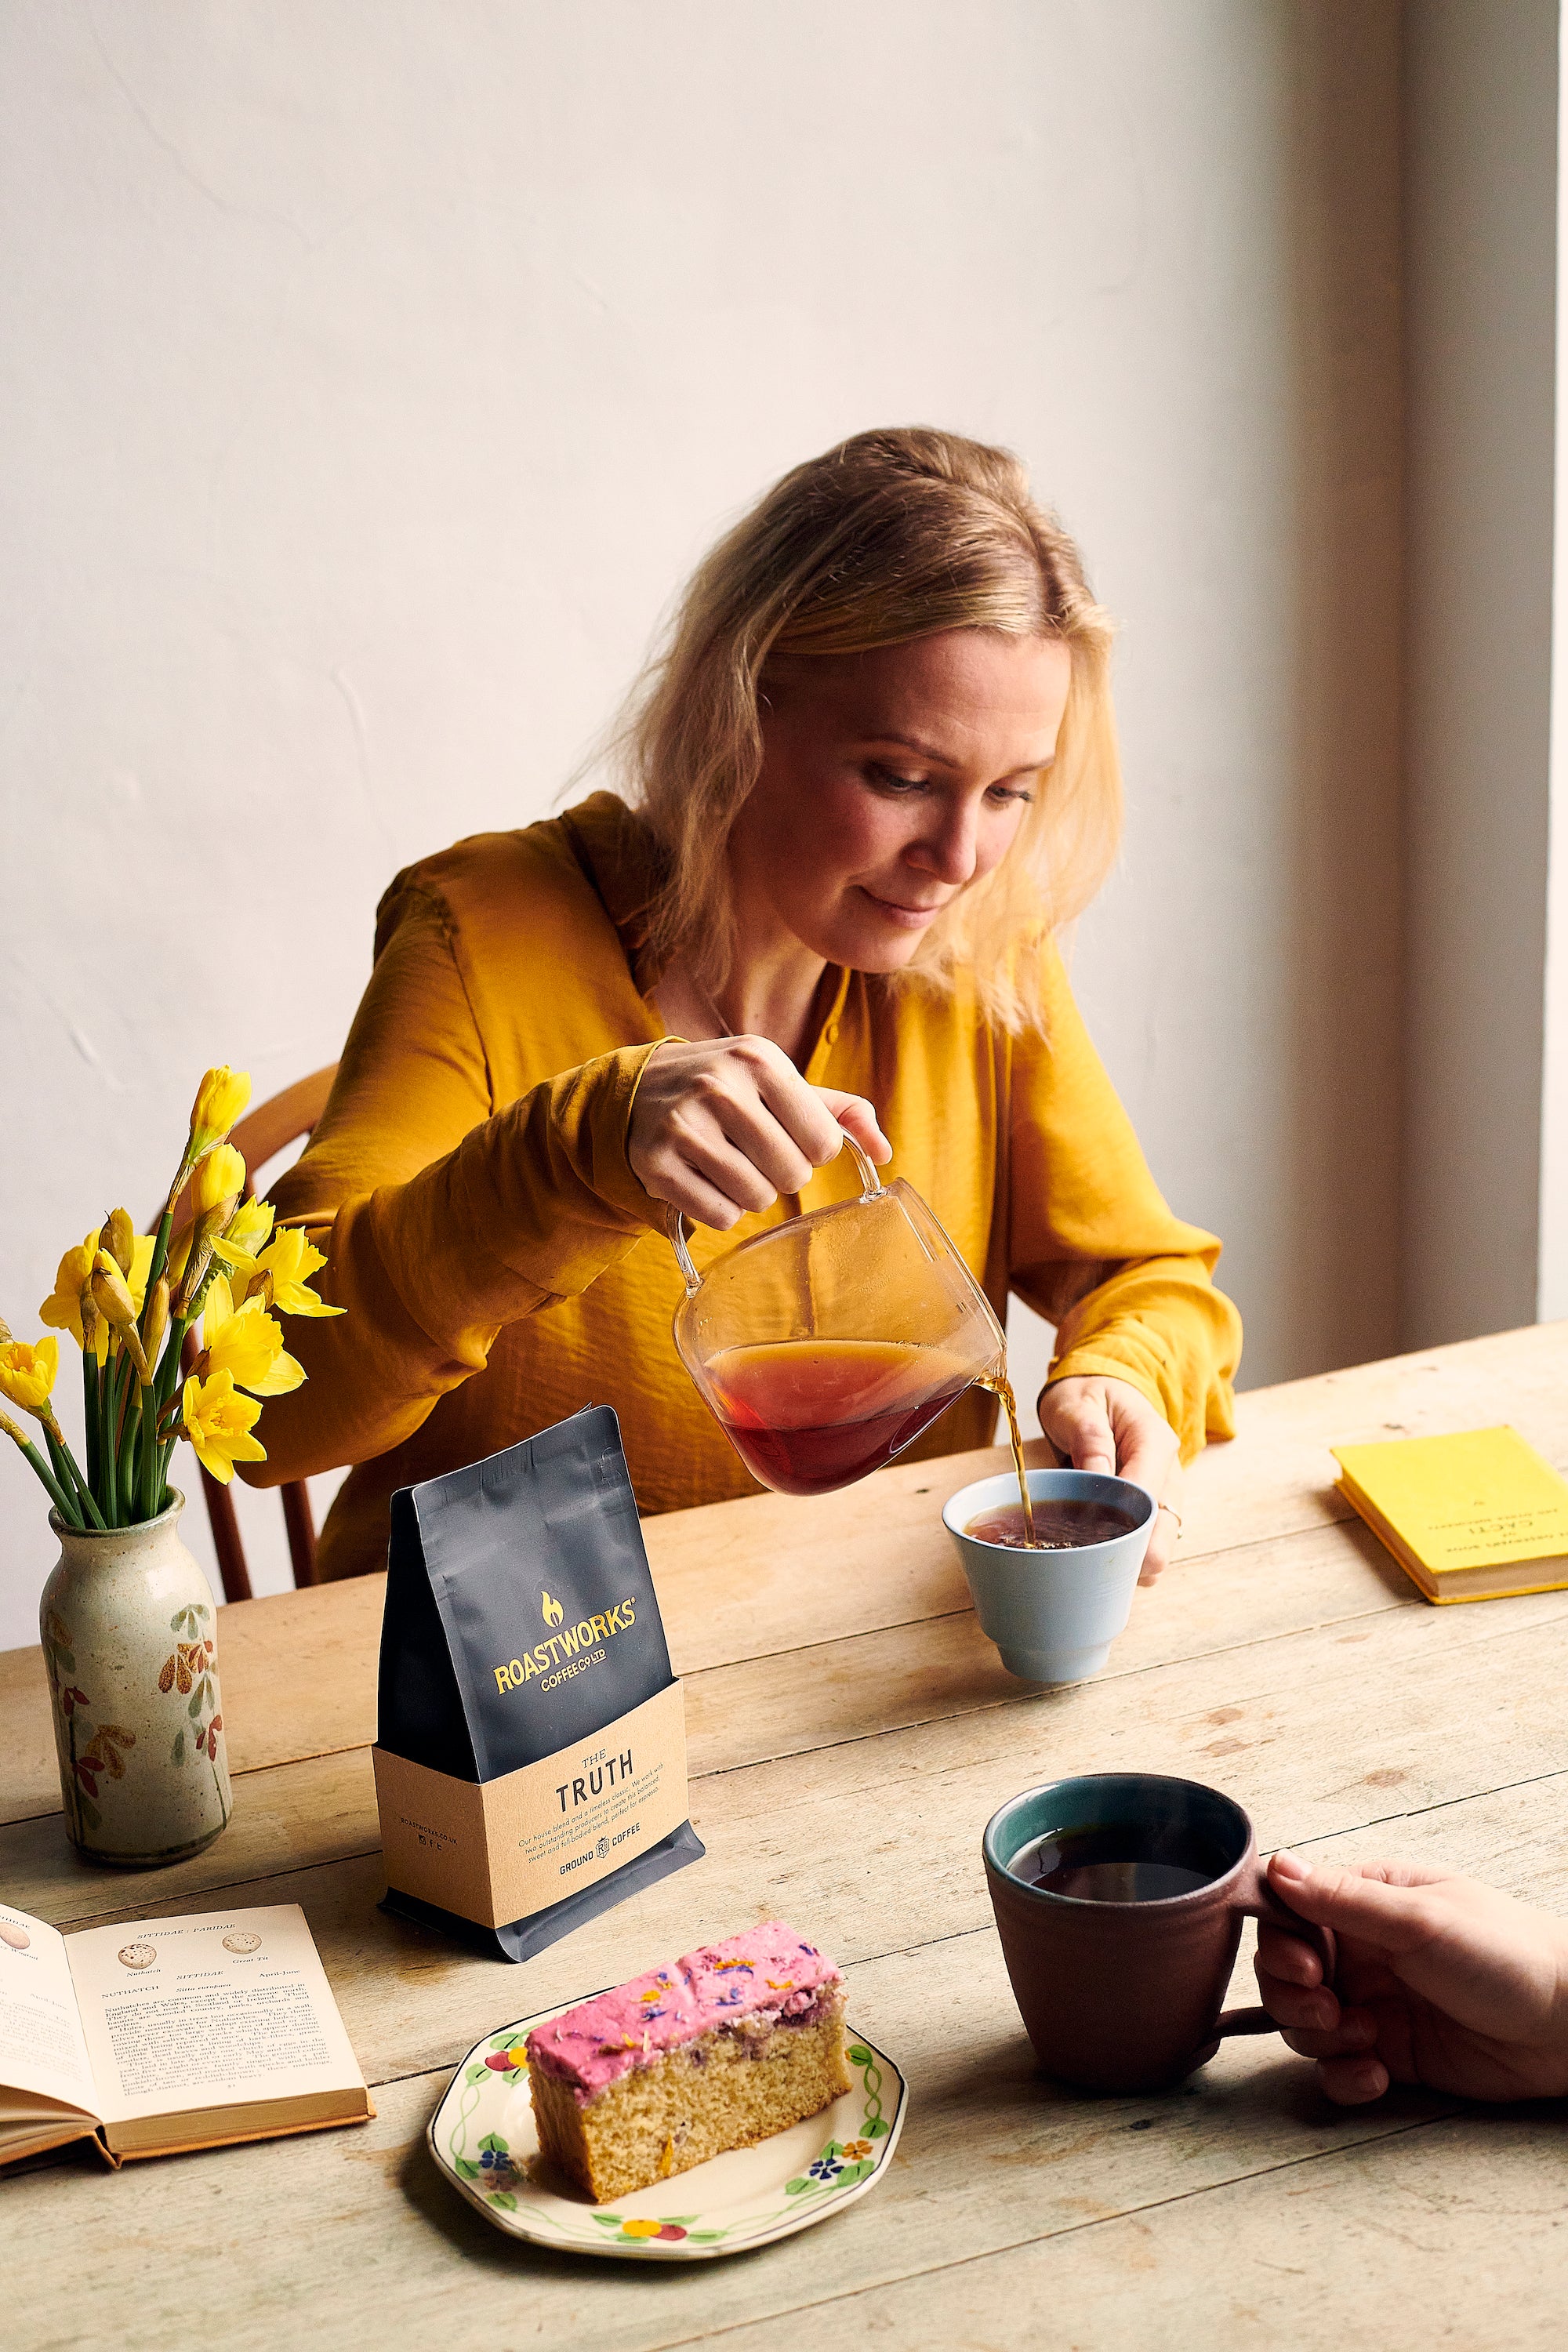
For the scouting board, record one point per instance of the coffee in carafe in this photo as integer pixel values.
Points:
(808, 1415)
(826, 1346)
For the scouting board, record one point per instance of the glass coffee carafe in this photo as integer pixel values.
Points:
(826, 1345)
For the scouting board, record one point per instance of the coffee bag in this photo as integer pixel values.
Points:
(530, 1755)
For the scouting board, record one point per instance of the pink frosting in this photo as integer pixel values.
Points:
(767, 1973)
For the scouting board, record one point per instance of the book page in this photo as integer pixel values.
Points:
(41, 2045)
(229, 2007)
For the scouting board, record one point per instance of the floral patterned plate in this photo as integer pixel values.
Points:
(483, 2138)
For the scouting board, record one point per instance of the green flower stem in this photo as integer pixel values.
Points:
(109, 1476)
(128, 1448)
(69, 1475)
(57, 1496)
(90, 1412)
(147, 1462)
(169, 1383)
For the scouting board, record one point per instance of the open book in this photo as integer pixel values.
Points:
(169, 2035)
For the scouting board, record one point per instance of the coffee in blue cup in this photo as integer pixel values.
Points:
(1053, 1613)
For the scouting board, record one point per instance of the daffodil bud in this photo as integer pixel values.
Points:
(119, 1238)
(220, 1099)
(218, 1182)
(5, 1332)
(117, 1306)
(157, 1319)
(110, 1295)
(199, 1259)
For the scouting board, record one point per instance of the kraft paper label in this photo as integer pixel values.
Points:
(496, 1851)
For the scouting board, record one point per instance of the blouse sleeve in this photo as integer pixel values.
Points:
(443, 1217)
(1093, 1247)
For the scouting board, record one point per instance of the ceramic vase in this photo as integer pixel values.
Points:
(128, 1628)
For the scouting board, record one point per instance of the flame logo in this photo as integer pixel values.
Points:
(554, 1611)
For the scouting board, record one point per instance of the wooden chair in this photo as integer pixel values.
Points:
(269, 1128)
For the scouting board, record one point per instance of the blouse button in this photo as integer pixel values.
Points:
(830, 1034)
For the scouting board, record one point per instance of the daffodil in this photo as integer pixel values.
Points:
(219, 1421)
(140, 1268)
(218, 1182)
(246, 1343)
(244, 1237)
(290, 1260)
(62, 1309)
(220, 1099)
(27, 1375)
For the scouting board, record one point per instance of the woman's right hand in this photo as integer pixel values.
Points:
(721, 1128)
(1440, 1981)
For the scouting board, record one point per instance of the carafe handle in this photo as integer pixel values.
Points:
(675, 1221)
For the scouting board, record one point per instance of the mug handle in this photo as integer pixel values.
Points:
(1256, 1899)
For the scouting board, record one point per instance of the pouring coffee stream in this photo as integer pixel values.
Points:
(825, 1346)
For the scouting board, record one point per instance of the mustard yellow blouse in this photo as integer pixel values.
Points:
(502, 1265)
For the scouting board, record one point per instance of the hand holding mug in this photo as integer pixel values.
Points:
(1440, 1981)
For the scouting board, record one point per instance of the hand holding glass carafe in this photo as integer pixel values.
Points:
(825, 1346)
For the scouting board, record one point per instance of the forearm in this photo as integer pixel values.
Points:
(532, 1206)
(1160, 1324)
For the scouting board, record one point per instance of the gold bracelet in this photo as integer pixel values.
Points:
(1175, 1512)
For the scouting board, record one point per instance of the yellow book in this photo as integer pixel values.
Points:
(1469, 1517)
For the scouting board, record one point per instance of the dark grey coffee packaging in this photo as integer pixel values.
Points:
(530, 1755)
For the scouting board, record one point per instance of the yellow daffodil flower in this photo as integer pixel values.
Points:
(28, 1374)
(140, 1268)
(246, 1343)
(218, 1180)
(219, 1421)
(62, 1310)
(220, 1099)
(247, 1233)
(291, 1260)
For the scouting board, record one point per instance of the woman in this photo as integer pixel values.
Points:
(872, 773)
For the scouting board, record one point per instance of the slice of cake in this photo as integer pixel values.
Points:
(718, 2050)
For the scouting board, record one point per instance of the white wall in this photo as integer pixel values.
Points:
(378, 367)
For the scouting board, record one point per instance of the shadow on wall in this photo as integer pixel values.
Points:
(1340, 1120)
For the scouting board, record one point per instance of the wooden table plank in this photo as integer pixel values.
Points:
(1453, 2234)
(783, 1701)
(874, 1845)
(771, 1575)
(851, 1732)
(993, 2158)
(1228, 1694)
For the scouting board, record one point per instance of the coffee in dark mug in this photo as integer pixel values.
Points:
(1119, 1899)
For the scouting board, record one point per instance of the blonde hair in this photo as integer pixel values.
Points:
(890, 537)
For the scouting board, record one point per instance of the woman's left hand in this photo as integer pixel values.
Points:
(1110, 1425)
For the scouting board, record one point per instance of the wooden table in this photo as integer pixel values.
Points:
(851, 1731)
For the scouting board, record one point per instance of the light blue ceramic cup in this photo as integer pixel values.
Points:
(1052, 1614)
